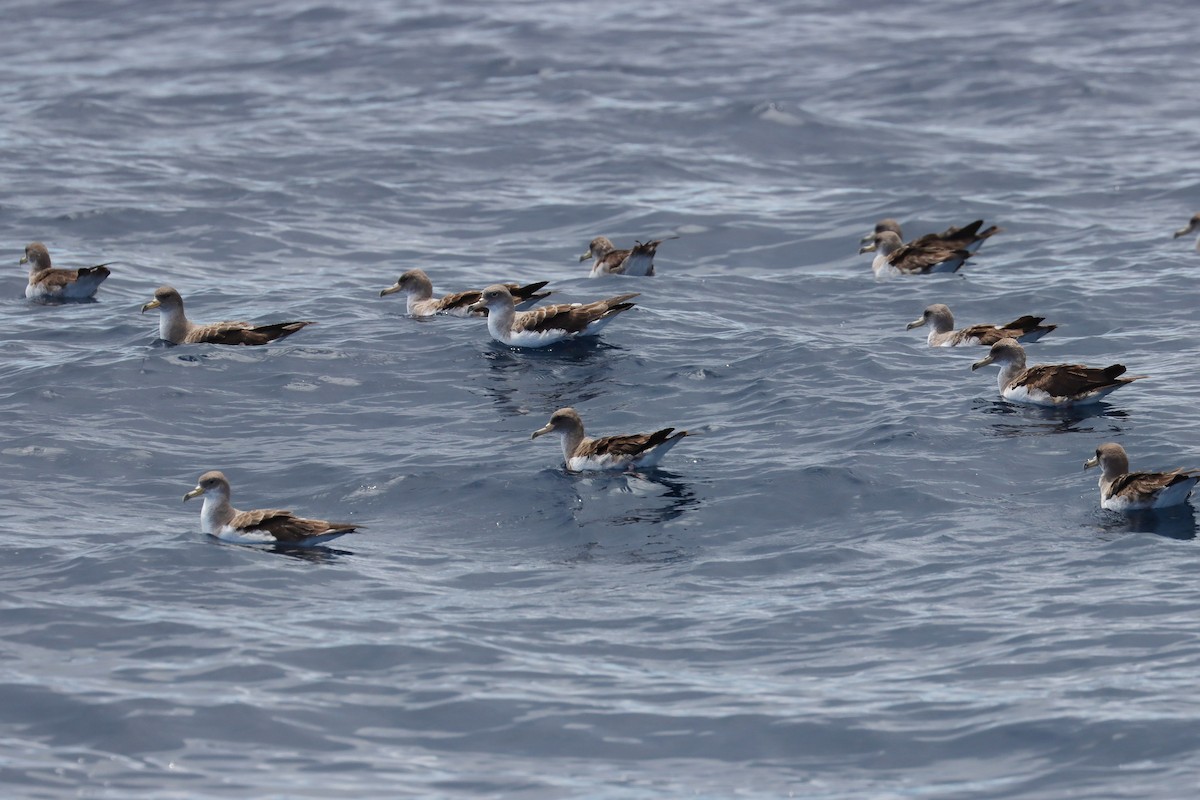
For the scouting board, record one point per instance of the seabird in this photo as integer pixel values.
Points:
(1192, 226)
(174, 327)
(633, 451)
(1050, 384)
(47, 283)
(967, 237)
(893, 257)
(1122, 490)
(274, 526)
(942, 334)
(611, 261)
(547, 324)
(421, 302)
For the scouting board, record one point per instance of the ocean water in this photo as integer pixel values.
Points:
(865, 576)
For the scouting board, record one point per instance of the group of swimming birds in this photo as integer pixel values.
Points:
(515, 320)
(503, 304)
(1052, 385)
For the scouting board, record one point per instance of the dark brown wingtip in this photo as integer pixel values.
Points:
(1025, 323)
(665, 435)
(530, 288)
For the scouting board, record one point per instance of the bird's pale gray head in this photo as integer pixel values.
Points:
(37, 256)
(885, 242)
(211, 482)
(886, 224)
(1003, 352)
(937, 316)
(495, 295)
(598, 248)
(565, 419)
(164, 297)
(1111, 458)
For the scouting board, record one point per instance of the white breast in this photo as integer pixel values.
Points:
(1022, 394)
(237, 536)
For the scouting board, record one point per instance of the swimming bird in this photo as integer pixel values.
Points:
(547, 324)
(175, 328)
(942, 334)
(1122, 490)
(1050, 384)
(1192, 226)
(421, 302)
(633, 451)
(610, 261)
(967, 237)
(274, 526)
(47, 283)
(893, 257)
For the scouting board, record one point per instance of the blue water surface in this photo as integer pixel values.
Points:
(865, 576)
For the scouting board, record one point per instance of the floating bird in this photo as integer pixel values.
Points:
(1122, 490)
(220, 519)
(1050, 384)
(942, 334)
(547, 324)
(893, 257)
(1192, 226)
(421, 302)
(174, 327)
(47, 283)
(967, 237)
(611, 261)
(638, 450)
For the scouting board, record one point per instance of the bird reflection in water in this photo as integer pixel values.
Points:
(563, 374)
(1176, 522)
(1023, 420)
(631, 498)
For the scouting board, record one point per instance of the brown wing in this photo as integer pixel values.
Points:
(628, 445)
(966, 235)
(614, 262)
(461, 300)
(1068, 380)
(286, 526)
(916, 257)
(58, 278)
(571, 318)
(1146, 484)
(242, 333)
(990, 334)
(957, 238)
(986, 334)
(1024, 324)
(529, 291)
(522, 294)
